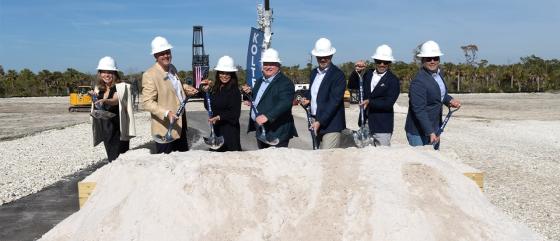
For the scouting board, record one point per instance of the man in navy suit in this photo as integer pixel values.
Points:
(427, 94)
(273, 97)
(326, 96)
(381, 90)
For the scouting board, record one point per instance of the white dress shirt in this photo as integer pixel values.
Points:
(315, 89)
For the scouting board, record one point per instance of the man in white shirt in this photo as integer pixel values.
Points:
(381, 90)
(326, 96)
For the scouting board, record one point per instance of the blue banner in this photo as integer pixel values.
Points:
(253, 70)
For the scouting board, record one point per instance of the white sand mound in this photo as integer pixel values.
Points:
(398, 193)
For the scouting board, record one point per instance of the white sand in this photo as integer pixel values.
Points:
(398, 193)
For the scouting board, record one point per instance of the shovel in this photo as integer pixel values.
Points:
(262, 137)
(167, 137)
(361, 136)
(440, 130)
(309, 123)
(213, 141)
(100, 112)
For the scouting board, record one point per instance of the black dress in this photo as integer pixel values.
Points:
(226, 103)
(111, 129)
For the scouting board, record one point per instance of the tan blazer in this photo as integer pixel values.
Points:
(158, 96)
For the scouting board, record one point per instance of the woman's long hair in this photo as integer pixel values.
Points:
(218, 85)
(101, 84)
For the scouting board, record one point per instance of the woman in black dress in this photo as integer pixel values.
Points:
(226, 104)
(107, 100)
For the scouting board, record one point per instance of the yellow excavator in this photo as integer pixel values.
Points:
(80, 100)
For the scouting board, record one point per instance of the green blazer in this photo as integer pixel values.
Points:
(276, 105)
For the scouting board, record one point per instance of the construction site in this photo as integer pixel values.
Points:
(495, 175)
(494, 178)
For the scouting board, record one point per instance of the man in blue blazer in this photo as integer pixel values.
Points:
(427, 94)
(273, 95)
(381, 91)
(326, 96)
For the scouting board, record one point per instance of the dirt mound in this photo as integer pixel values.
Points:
(397, 193)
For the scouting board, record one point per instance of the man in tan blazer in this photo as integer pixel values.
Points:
(162, 94)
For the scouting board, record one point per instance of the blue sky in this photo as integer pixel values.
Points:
(60, 34)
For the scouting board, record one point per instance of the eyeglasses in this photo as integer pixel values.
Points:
(377, 61)
(430, 59)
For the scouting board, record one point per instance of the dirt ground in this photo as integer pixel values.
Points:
(24, 116)
(513, 138)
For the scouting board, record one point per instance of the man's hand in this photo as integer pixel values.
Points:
(315, 126)
(434, 138)
(189, 90)
(364, 104)
(304, 101)
(214, 119)
(455, 103)
(261, 119)
(171, 117)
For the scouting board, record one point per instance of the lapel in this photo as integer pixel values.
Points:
(382, 81)
(431, 81)
(270, 85)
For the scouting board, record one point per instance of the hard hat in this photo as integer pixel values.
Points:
(160, 44)
(430, 49)
(226, 64)
(323, 47)
(383, 52)
(107, 63)
(270, 55)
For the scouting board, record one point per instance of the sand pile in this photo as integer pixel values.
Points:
(397, 193)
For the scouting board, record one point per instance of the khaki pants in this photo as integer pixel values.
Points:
(329, 140)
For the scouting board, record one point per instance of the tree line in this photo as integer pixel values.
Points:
(530, 74)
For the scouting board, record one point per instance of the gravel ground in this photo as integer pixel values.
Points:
(513, 138)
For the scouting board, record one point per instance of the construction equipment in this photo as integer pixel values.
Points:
(80, 100)
(199, 60)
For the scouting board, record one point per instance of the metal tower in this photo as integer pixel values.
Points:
(199, 57)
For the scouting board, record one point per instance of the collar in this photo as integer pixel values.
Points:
(269, 80)
(319, 71)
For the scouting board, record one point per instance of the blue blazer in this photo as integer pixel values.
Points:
(330, 100)
(424, 104)
(276, 105)
(380, 113)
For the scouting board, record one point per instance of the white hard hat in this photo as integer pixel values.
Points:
(383, 52)
(270, 55)
(226, 64)
(107, 63)
(430, 49)
(160, 44)
(323, 47)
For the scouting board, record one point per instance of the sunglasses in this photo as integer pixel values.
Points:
(382, 62)
(430, 59)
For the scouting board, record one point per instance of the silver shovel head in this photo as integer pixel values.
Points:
(102, 114)
(214, 142)
(361, 137)
(270, 141)
(162, 139)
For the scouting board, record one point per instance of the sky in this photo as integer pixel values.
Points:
(60, 34)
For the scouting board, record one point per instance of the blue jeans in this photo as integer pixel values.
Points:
(417, 140)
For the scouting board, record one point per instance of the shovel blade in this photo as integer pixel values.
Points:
(102, 114)
(214, 142)
(361, 137)
(269, 141)
(162, 139)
